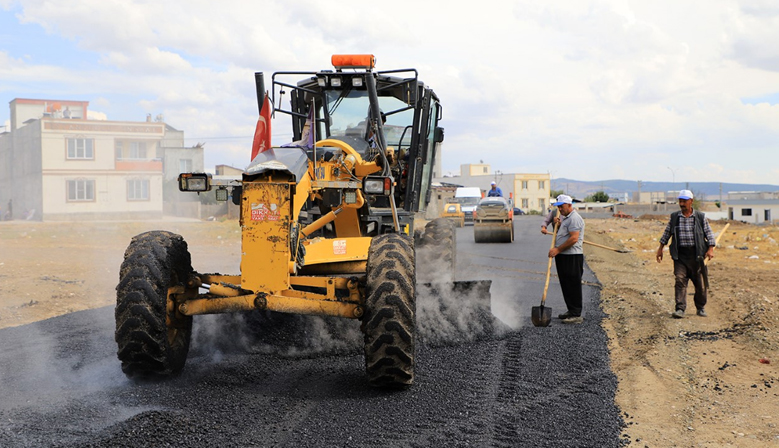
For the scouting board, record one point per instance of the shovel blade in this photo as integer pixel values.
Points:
(541, 316)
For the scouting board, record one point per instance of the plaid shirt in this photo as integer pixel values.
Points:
(686, 232)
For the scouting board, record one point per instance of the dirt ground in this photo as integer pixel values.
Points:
(693, 382)
(49, 269)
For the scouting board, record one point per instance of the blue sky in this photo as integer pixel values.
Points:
(581, 89)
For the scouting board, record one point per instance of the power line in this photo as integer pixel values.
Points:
(232, 137)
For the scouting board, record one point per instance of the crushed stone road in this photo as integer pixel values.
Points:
(61, 384)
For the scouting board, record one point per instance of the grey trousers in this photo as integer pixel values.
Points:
(688, 268)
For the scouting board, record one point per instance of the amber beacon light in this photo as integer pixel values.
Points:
(366, 61)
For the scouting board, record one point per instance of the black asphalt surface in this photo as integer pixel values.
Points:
(300, 383)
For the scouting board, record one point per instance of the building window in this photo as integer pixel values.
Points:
(746, 212)
(185, 166)
(130, 150)
(524, 185)
(81, 190)
(80, 148)
(138, 190)
(541, 204)
(485, 170)
(524, 204)
(137, 150)
(541, 184)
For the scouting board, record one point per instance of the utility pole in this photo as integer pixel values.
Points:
(638, 199)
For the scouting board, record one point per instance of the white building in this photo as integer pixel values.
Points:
(56, 164)
(753, 211)
(530, 191)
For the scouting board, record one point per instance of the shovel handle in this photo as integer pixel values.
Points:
(716, 242)
(604, 247)
(549, 265)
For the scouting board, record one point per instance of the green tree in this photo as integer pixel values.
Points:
(555, 193)
(598, 196)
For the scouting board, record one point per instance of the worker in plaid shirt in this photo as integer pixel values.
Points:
(692, 243)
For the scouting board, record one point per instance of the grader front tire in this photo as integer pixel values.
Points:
(152, 336)
(389, 323)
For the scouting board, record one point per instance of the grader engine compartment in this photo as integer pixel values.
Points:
(327, 224)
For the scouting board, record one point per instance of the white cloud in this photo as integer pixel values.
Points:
(587, 89)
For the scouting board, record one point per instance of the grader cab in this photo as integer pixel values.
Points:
(327, 224)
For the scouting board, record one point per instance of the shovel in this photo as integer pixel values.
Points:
(716, 241)
(542, 315)
(622, 251)
(704, 264)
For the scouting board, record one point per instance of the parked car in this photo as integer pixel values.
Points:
(518, 211)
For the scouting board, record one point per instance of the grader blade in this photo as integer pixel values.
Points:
(456, 312)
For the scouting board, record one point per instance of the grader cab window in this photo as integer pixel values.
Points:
(349, 116)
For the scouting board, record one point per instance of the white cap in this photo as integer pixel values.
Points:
(685, 194)
(563, 199)
(492, 183)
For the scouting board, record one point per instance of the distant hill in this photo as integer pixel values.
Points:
(618, 188)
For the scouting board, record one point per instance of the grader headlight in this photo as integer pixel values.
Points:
(377, 185)
(195, 182)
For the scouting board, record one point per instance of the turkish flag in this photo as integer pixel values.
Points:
(262, 131)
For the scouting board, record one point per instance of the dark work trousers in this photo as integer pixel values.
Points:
(569, 270)
(687, 268)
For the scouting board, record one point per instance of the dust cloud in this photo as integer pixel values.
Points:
(55, 363)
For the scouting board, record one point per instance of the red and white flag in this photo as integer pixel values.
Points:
(262, 135)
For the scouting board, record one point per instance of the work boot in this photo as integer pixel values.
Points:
(565, 315)
(678, 314)
(702, 312)
(573, 320)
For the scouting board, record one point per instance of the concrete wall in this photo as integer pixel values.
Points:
(25, 172)
(6, 160)
(173, 157)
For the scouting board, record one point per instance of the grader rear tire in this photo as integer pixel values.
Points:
(389, 322)
(152, 337)
(438, 251)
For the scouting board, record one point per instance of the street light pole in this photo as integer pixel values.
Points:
(673, 174)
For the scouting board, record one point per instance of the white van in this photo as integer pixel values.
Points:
(468, 198)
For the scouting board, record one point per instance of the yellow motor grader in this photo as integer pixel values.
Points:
(327, 224)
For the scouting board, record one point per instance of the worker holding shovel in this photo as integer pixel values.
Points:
(569, 258)
(692, 243)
